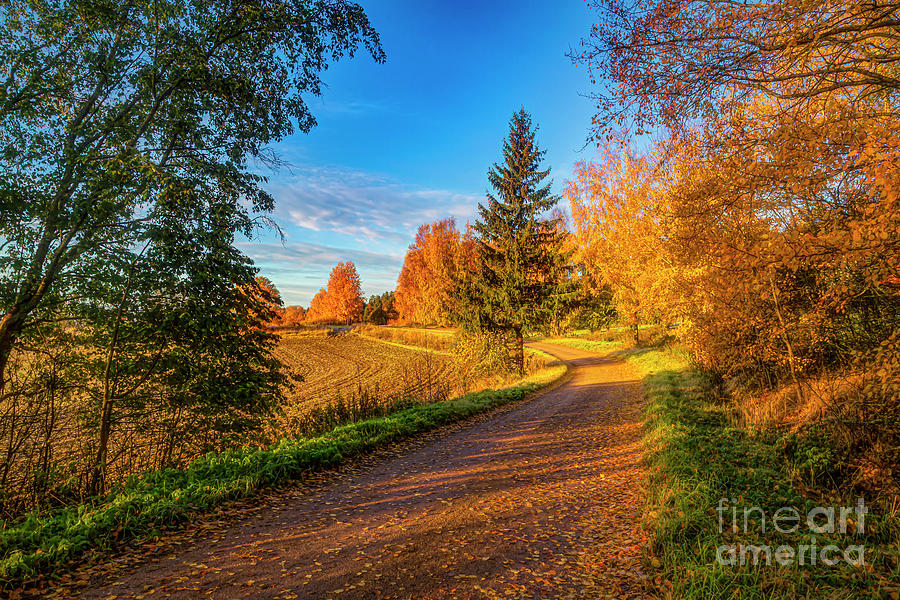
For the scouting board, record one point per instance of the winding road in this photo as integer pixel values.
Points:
(540, 499)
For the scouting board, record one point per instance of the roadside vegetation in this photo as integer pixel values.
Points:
(699, 453)
(705, 460)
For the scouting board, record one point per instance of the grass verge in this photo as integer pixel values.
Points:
(600, 346)
(41, 543)
(696, 457)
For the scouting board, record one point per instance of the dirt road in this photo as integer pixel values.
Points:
(539, 500)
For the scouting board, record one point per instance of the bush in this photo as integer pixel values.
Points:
(482, 355)
(697, 456)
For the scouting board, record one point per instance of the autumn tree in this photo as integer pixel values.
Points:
(519, 258)
(665, 63)
(616, 217)
(320, 309)
(781, 179)
(292, 316)
(264, 293)
(341, 301)
(425, 286)
(345, 293)
(269, 292)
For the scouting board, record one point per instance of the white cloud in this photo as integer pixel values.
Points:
(363, 205)
(348, 215)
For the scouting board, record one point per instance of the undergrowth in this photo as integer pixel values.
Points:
(697, 457)
(42, 542)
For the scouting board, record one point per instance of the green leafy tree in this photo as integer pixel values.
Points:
(183, 347)
(520, 261)
(373, 304)
(127, 133)
(387, 305)
(375, 313)
(115, 116)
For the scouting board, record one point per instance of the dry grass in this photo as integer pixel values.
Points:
(437, 340)
(48, 434)
(785, 407)
(303, 330)
(855, 427)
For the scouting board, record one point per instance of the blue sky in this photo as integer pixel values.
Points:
(410, 141)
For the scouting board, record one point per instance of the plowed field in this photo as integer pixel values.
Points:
(345, 366)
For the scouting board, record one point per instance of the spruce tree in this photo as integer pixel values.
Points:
(520, 260)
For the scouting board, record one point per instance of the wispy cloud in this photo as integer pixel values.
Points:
(354, 108)
(295, 256)
(363, 205)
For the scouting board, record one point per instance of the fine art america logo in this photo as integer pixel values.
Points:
(822, 520)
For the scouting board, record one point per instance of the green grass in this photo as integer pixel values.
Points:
(695, 457)
(41, 543)
(600, 346)
(540, 353)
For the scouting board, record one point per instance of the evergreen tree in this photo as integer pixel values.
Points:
(520, 259)
(387, 305)
(374, 313)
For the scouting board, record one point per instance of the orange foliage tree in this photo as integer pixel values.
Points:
(319, 309)
(425, 286)
(292, 316)
(618, 233)
(342, 301)
(288, 316)
(263, 294)
(672, 61)
(780, 181)
(345, 293)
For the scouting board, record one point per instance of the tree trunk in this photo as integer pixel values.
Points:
(520, 353)
(98, 479)
(792, 363)
(10, 328)
(98, 476)
(636, 334)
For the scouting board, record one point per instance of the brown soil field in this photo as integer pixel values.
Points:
(348, 367)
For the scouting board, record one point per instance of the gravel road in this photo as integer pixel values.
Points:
(537, 500)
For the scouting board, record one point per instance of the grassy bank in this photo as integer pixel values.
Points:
(697, 456)
(41, 543)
